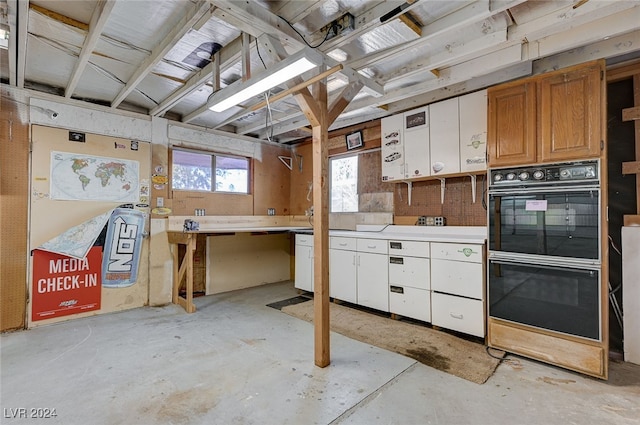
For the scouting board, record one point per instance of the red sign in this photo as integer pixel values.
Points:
(65, 285)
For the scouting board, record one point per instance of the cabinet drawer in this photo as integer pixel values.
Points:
(340, 242)
(457, 251)
(410, 248)
(410, 302)
(409, 271)
(457, 313)
(306, 240)
(375, 246)
(457, 278)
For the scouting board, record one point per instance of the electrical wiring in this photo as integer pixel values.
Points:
(180, 65)
(259, 55)
(326, 36)
(268, 117)
(115, 78)
(61, 47)
(123, 44)
(55, 44)
(484, 193)
(53, 114)
(514, 363)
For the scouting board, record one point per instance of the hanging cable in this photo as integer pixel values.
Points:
(326, 36)
(268, 117)
(259, 55)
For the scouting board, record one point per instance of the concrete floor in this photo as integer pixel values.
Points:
(236, 361)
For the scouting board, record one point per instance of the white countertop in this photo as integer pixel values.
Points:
(451, 234)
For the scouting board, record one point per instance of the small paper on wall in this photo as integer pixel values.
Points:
(535, 205)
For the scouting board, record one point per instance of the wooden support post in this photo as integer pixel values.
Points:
(321, 228)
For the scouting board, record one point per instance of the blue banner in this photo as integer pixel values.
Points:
(121, 256)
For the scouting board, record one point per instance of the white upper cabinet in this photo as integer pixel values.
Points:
(445, 137)
(442, 138)
(392, 148)
(473, 131)
(416, 143)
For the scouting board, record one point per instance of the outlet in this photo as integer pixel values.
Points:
(343, 25)
(160, 202)
(271, 211)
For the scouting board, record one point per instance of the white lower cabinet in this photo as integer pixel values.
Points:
(342, 269)
(460, 314)
(410, 302)
(437, 282)
(409, 279)
(372, 271)
(304, 262)
(457, 282)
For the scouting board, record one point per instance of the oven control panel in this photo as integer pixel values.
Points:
(569, 172)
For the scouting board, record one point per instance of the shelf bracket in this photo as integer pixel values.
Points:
(409, 190)
(299, 160)
(473, 187)
(442, 188)
(286, 160)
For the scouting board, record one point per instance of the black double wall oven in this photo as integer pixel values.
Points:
(544, 248)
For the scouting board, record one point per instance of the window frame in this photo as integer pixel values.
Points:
(213, 155)
(337, 157)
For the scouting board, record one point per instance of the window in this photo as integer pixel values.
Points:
(193, 170)
(344, 184)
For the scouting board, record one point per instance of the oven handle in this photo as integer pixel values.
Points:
(500, 257)
(546, 189)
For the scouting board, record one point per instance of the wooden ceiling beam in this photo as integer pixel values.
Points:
(18, 22)
(192, 16)
(99, 19)
(229, 55)
(60, 17)
(343, 100)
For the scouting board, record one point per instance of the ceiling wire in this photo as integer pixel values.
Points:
(326, 36)
(60, 46)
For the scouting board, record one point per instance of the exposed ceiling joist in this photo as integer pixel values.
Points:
(229, 55)
(18, 19)
(159, 52)
(566, 18)
(457, 47)
(367, 21)
(101, 14)
(254, 19)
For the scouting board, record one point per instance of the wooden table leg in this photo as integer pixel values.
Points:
(191, 249)
(183, 269)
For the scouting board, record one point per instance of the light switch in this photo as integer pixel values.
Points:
(160, 202)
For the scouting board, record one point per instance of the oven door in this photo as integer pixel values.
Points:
(554, 221)
(558, 298)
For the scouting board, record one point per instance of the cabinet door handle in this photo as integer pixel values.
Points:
(457, 315)
(395, 245)
(358, 260)
(353, 259)
(371, 246)
(342, 244)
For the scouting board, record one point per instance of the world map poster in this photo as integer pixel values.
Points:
(80, 177)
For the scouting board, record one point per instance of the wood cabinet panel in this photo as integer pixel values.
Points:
(574, 355)
(511, 123)
(570, 114)
(547, 118)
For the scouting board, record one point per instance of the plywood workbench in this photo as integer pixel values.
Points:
(211, 225)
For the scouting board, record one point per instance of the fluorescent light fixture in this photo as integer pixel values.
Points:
(293, 66)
